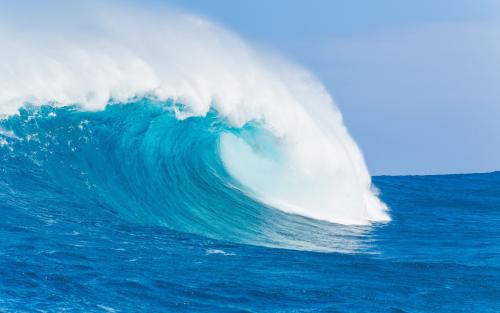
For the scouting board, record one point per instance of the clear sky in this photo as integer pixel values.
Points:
(418, 82)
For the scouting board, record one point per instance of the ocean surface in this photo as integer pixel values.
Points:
(130, 209)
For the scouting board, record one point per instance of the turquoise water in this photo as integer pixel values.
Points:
(130, 209)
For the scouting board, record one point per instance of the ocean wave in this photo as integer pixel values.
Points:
(189, 116)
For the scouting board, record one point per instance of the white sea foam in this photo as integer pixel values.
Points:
(88, 54)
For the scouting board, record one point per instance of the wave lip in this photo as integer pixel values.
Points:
(315, 169)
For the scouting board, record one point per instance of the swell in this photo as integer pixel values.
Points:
(138, 162)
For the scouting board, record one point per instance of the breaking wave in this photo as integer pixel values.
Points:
(166, 118)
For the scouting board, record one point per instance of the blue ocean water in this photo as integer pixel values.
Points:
(130, 209)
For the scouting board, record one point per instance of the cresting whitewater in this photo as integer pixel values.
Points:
(297, 157)
(149, 156)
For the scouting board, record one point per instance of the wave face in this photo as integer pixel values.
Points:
(168, 119)
(141, 163)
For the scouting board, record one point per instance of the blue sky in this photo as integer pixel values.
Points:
(417, 81)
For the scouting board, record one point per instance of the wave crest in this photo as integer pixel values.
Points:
(121, 55)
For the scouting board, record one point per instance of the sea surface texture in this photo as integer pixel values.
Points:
(131, 209)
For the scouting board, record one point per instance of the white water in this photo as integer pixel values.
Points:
(89, 54)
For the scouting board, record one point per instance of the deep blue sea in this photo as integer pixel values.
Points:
(131, 210)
